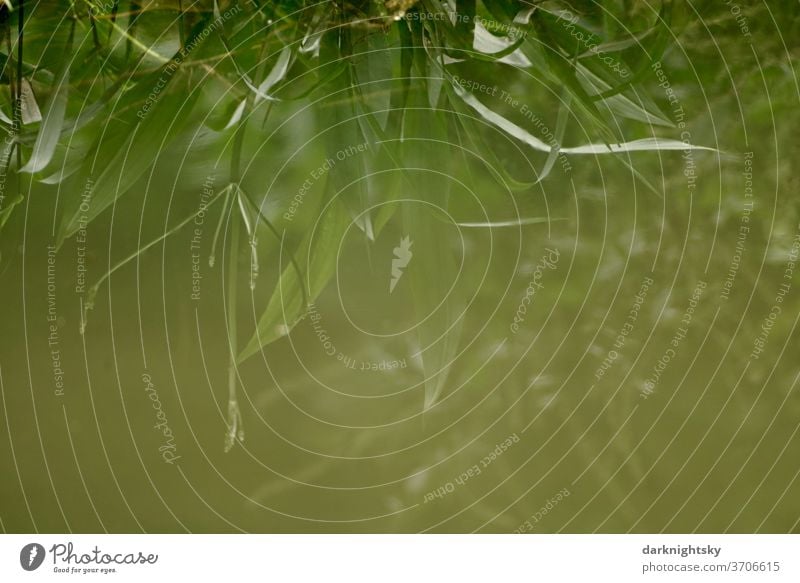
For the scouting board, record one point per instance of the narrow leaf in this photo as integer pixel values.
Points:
(318, 254)
(56, 106)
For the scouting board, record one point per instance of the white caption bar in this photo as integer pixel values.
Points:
(400, 558)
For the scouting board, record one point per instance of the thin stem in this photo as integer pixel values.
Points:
(212, 258)
(182, 25)
(89, 304)
(12, 82)
(274, 231)
(238, 143)
(95, 37)
(135, 9)
(18, 101)
(235, 430)
(251, 236)
(113, 15)
(242, 75)
(20, 33)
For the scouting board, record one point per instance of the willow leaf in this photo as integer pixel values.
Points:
(318, 254)
(512, 129)
(276, 74)
(437, 301)
(53, 120)
(170, 116)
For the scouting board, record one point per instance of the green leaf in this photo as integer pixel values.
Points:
(372, 75)
(507, 223)
(512, 129)
(318, 255)
(621, 105)
(561, 126)
(6, 150)
(53, 120)
(438, 300)
(276, 74)
(345, 131)
(644, 145)
(123, 166)
(650, 46)
(432, 272)
(30, 108)
(562, 68)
